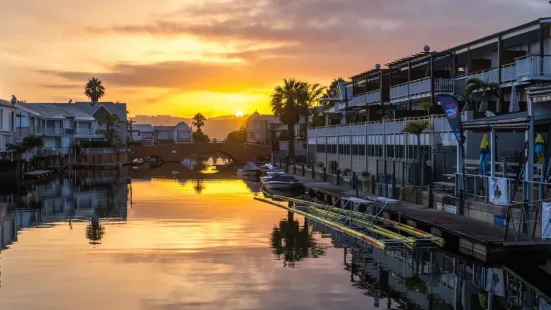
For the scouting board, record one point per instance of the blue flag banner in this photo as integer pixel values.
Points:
(450, 105)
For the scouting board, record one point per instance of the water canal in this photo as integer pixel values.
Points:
(160, 239)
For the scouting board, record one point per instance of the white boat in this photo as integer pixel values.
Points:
(270, 174)
(283, 184)
(250, 170)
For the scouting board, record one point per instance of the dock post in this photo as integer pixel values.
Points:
(356, 187)
(373, 184)
(386, 177)
(338, 176)
(393, 179)
(303, 170)
(353, 179)
(294, 168)
(313, 172)
(324, 174)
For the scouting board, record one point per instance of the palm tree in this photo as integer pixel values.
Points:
(33, 142)
(95, 231)
(94, 89)
(331, 91)
(486, 87)
(315, 93)
(416, 128)
(290, 102)
(198, 121)
(110, 122)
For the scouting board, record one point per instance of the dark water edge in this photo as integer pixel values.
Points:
(160, 240)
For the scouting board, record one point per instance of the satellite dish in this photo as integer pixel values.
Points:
(426, 48)
(377, 66)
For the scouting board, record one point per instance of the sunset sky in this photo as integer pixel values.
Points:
(180, 57)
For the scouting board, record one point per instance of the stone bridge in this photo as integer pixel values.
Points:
(238, 152)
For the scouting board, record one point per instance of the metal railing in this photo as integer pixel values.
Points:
(508, 73)
(51, 130)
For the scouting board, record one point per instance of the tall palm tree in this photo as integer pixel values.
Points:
(109, 122)
(94, 89)
(333, 87)
(315, 92)
(486, 87)
(290, 102)
(416, 128)
(199, 121)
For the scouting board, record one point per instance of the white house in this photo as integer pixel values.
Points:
(142, 133)
(183, 133)
(164, 134)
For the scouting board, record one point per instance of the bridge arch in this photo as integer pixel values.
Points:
(177, 152)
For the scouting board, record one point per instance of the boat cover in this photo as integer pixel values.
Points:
(283, 178)
(250, 166)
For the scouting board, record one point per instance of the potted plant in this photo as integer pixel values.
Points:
(346, 171)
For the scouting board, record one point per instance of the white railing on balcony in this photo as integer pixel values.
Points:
(508, 73)
(530, 67)
(51, 130)
(443, 84)
(83, 131)
(373, 97)
(419, 86)
(489, 75)
(399, 91)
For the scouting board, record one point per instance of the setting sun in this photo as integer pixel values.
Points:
(238, 113)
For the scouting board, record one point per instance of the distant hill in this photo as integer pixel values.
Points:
(216, 128)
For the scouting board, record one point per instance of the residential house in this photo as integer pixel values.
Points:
(164, 134)
(142, 134)
(260, 128)
(183, 133)
(7, 124)
(118, 109)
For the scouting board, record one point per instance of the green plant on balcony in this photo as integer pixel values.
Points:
(484, 86)
(427, 105)
(320, 164)
(365, 174)
(415, 284)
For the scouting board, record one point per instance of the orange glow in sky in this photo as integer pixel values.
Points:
(181, 57)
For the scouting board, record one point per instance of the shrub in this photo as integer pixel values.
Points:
(366, 174)
(300, 159)
(320, 164)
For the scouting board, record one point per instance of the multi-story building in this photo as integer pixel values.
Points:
(260, 128)
(7, 124)
(61, 125)
(181, 133)
(371, 110)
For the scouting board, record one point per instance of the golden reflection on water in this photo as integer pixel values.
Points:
(178, 249)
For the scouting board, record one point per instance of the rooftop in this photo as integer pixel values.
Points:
(142, 127)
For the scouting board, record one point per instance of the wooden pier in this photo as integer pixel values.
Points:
(468, 236)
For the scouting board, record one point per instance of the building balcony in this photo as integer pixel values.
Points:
(51, 130)
(533, 68)
(420, 88)
(372, 97)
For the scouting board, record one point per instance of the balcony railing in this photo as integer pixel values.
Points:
(508, 73)
(83, 131)
(69, 131)
(419, 88)
(366, 98)
(533, 67)
(51, 130)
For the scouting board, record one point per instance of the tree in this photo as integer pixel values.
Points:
(315, 93)
(416, 128)
(331, 91)
(94, 89)
(237, 136)
(427, 105)
(199, 121)
(200, 137)
(109, 122)
(289, 102)
(33, 142)
(486, 87)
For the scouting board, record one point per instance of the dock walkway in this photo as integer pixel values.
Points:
(469, 236)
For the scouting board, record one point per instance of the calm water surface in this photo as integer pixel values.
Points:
(97, 242)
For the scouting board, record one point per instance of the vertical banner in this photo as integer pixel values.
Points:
(546, 220)
(450, 105)
(498, 191)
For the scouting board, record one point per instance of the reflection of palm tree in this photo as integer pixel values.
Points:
(94, 231)
(199, 186)
(294, 242)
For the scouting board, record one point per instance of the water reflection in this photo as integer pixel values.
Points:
(206, 163)
(176, 248)
(294, 242)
